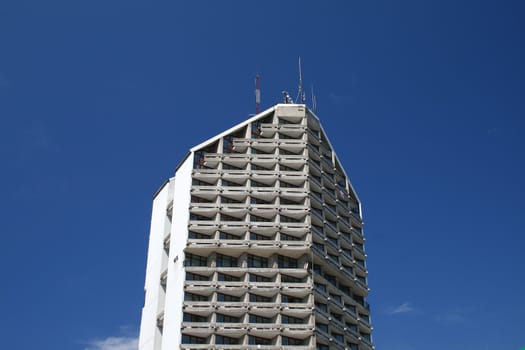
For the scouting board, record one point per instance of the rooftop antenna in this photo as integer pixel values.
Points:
(314, 100)
(257, 94)
(300, 93)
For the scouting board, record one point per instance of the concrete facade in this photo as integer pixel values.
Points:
(257, 243)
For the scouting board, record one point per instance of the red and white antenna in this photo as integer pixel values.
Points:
(257, 94)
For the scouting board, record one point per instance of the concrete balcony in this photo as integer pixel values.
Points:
(198, 329)
(235, 175)
(297, 309)
(292, 161)
(205, 192)
(264, 193)
(201, 308)
(235, 227)
(261, 227)
(292, 177)
(290, 145)
(201, 226)
(264, 160)
(265, 176)
(296, 289)
(268, 130)
(206, 175)
(264, 210)
(294, 228)
(205, 209)
(293, 193)
(292, 130)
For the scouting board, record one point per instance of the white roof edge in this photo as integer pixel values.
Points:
(233, 128)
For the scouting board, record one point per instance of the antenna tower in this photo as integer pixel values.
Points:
(300, 93)
(257, 94)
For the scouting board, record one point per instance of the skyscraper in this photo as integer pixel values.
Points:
(257, 243)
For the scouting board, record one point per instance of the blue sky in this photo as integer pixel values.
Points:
(422, 100)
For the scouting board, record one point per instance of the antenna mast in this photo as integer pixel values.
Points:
(257, 94)
(300, 93)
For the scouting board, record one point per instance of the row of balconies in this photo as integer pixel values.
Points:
(290, 130)
(212, 175)
(269, 145)
(260, 288)
(240, 160)
(237, 227)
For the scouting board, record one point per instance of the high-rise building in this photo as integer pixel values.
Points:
(257, 243)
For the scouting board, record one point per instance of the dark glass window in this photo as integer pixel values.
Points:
(226, 297)
(260, 319)
(190, 339)
(228, 278)
(259, 341)
(195, 277)
(225, 261)
(193, 318)
(221, 339)
(293, 341)
(227, 319)
(292, 320)
(286, 262)
(195, 297)
(257, 261)
(254, 298)
(258, 278)
(195, 260)
(293, 300)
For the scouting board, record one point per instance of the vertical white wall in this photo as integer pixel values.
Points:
(176, 272)
(148, 325)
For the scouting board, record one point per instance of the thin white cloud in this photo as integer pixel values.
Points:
(401, 309)
(114, 343)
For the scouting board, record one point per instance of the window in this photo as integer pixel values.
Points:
(190, 339)
(351, 308)
(257, 237)
(290, 279)
(224, 235)
(254, 298)
(258, 278)
(259, 341)
(193, 318)
(260, 319)
(225, 217)
(288, 299)
(321, 287)
(195, 277)
(195, 297)
(322, 327)
(321, 307)
(228, 278)
(339, 337)
(257, 261)
(352, 346)
(225, 261)
(226, 297)
(196, 235)
(286, 262)
(260, 184)
(352, 327)
(335, 297)
(285, 237)
(322, 347)
(226, 200)
(293, 341)
(260, 218)
(195, 260)
(330, 278)
(290, 219)
(226, 183)
(227, 319)
(291, 320)
(336, 316)
(221, 339)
